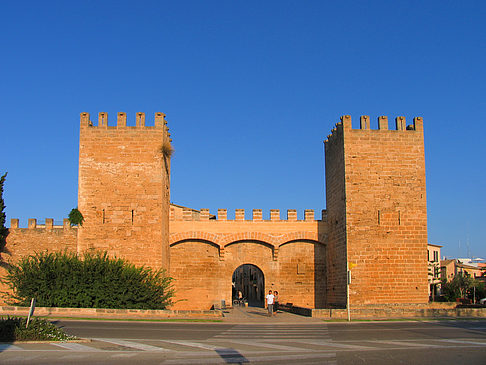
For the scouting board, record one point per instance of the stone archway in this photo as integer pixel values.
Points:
(249, 279)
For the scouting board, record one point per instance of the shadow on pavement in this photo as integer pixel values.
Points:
(231, 356)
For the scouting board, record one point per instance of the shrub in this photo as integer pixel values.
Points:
(75, 217)
(13, 329)
(92, 281)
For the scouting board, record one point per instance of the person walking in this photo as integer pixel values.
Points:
(270, 299)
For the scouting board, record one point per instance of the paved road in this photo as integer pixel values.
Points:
(446, 342)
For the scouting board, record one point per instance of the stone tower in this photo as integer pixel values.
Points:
(377, 213)
(123, 192)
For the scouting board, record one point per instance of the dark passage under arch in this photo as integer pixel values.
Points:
(249, 279)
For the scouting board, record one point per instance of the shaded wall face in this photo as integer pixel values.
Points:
(204, 278)
(124, 192)
(336, 219)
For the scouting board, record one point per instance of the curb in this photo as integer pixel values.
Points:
(81, 340)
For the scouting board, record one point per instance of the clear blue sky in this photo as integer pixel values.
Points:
(250, 89)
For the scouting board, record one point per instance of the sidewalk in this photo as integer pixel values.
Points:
(260, 315)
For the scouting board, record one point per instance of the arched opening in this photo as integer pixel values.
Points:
(250, 281)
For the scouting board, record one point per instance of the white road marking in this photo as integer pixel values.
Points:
(73, 357)
(75, 347)
(406, 343)
(135, 345)
(125, 355)
(463, 341)
(270, 332)
(332, 344)
(268, 345)
(194, 344)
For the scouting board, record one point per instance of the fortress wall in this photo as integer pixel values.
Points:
(195, 266)
(206, 252)
(36, 238)
(302, 274)
(23, 242)
(124, 188)
(385, 210)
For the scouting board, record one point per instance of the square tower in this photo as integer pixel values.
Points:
(123, 191)
(377, 212)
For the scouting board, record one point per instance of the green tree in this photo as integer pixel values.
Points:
(477, 290)
(75, 217)
(458, 287)
(3, 217)
(94, 280)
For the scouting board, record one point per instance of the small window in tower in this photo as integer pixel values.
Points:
(103, 216)
(132, 215)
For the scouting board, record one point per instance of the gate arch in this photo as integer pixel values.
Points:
(249, 280)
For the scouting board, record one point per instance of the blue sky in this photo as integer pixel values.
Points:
(250, 89)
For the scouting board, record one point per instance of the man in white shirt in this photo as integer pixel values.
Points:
(270, 298)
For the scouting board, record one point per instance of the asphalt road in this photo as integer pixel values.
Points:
(442, 342)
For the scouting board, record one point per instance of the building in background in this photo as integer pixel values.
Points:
(452, 267)
(434, 273)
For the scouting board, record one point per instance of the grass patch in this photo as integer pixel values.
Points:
(13, 329)
(136, 319)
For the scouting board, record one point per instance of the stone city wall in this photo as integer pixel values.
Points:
(205, 253)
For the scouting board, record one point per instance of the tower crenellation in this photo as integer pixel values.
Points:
(121, 121)
(383, 126)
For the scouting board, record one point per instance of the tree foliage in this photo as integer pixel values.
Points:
(93, 281)
(75, 217)
(463, 286)
(3, 217)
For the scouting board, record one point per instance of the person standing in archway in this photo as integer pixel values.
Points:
(270, 298)
(275, 302)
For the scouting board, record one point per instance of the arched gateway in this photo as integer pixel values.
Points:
(250, 281)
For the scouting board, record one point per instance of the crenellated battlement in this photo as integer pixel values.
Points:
(121, 121)
(48, 224)
(189, 214)
(400, 125)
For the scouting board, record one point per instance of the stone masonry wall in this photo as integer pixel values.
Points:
(206, 252)
(124, 189)
(386, 212)
(36, 238)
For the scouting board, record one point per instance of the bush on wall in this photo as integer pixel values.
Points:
(94, 280)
